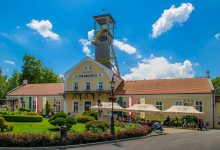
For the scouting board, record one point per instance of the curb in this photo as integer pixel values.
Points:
(80, 145)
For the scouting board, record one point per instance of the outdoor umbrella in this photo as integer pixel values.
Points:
(108, 106)
(143, 108)
(183, 110)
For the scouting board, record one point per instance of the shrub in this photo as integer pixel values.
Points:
(91, 113)
(2, 122)
(61, 119)
(84, 119)
(70, 120)
(17, 118)
(96, 126)
(60, 114)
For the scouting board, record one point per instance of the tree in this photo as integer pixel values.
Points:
(14, 80)
(3, 85)
(34, 71)
(216, 84)
(48, 108)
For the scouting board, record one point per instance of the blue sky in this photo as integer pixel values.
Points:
(184, 41)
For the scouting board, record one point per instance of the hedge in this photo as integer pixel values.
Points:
(36, 140)
(17, 118)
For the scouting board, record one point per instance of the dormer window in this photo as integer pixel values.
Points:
(87, 68)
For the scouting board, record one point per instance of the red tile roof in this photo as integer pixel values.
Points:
(38, 89)
(164, 86)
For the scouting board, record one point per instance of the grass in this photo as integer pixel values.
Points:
(41, 127)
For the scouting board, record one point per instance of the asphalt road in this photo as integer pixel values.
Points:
(189, 140)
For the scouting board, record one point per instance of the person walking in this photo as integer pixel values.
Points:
(184, 126)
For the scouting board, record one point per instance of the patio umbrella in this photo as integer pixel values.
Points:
(108, 106)
(143, 108)
(183, 110)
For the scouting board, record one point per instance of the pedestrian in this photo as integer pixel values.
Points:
(184, 123)
(199, 124)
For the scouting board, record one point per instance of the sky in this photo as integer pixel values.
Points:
(154, 39)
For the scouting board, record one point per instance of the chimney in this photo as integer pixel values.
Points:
(25, 82)
(207, 74)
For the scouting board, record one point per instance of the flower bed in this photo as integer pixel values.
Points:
(35, 140)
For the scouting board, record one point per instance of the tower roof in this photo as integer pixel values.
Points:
(101, 19)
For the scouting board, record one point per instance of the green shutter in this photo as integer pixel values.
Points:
(29, 103)
(120, 101)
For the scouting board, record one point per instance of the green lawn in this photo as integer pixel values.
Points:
(41, 127)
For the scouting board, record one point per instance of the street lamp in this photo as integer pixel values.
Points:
(99, 105)
(112, 83)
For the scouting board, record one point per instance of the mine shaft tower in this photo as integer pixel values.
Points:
(103, 42)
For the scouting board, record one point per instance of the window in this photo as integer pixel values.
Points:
(179, 103)
(57, 106)
(75, 107)
(87, 85)
(75, 86)
(100, 86)
(23, 105)
(87, 105)
(124, 104)
(34, 105)
(87, 68)
(159, 105)
(199, 106)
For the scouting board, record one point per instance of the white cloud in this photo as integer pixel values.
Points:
(217, 36)
(43, 27)
(124, 47)
(87, 42)
(9, 62)
(160, 68)
(91, 35)
(171, 16)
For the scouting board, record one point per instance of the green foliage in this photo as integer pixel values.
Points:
(2, 122)
(216, 84)
(70, 120)
(18, 118)
(48, 108)
(22, 109)
(3, 85)
(14, 80)
(34, 71)
(61, 119)
(84, 119)
(5, 125)
(60, 114)
(96, 126)
(91, 113)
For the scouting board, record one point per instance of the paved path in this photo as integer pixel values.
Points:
(177, 139)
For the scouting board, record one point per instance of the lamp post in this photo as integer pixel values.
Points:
(99, 105)
(112, 83)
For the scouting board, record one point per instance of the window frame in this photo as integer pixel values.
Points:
(159, 106)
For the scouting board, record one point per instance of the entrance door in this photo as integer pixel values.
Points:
(87, 105)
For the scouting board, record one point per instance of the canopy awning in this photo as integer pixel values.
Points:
(108, 106)
(183, 110)
(143, 108)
